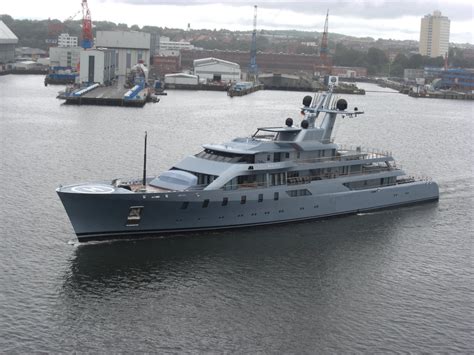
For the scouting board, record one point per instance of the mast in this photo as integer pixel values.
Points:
(144, 163)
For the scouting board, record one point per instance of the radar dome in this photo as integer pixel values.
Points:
(307, 100)
(341, 104)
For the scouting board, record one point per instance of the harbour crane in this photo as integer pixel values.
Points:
(323, 51)
(87, 38)
(253, 68)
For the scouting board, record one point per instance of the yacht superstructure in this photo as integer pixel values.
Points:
(277, 175)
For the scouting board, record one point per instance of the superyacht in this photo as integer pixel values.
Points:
(277, 175)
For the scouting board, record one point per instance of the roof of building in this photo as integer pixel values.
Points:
(180, 75)
(211, 61)
(29, 51)
(6, 35)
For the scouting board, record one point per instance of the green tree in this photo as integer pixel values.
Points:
(376, 60)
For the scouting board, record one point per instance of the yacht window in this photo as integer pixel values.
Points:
(300, 192)
(287, 155)
(205, 203)
(260, 197)
(276, 196)
(225, 200)
(243, 199)
(184, 205)
(215, 155)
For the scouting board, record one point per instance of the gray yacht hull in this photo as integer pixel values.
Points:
(106, 215)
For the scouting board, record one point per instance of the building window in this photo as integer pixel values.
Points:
(129, 60)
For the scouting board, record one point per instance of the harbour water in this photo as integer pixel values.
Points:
(398, 280)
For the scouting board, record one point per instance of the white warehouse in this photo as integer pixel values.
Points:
(97, 66)
(213, 69)
(130, 47)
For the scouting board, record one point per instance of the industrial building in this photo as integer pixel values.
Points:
(267, 62)
(166, 64)
(65, 56)
(213, 69)
(97, 66)
(349, 72)
(166, 45)
(130, 47)
(434, 35)
(410, 75)
(458, 79)
(8, 42)
(28, 53)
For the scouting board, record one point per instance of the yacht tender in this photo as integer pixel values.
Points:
(279, 174)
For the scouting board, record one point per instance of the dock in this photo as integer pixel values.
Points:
(442, 95)
(113, 95)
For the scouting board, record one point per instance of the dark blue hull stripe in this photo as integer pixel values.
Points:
(84, 237)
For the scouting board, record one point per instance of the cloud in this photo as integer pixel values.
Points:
(365, 9)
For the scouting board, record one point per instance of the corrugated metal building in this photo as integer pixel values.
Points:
(130, 48)
(8, 42)
(97, 66)
(213, 69)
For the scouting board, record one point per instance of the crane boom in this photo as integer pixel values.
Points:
(323, 52)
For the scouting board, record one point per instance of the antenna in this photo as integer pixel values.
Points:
(144, 163)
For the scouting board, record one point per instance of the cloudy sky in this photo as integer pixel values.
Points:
(396, 19)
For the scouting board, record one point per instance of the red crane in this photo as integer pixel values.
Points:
(87, 38)
(323, 51)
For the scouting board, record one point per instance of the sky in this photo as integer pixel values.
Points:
(388, 19)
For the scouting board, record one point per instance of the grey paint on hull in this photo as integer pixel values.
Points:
(105, 215)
